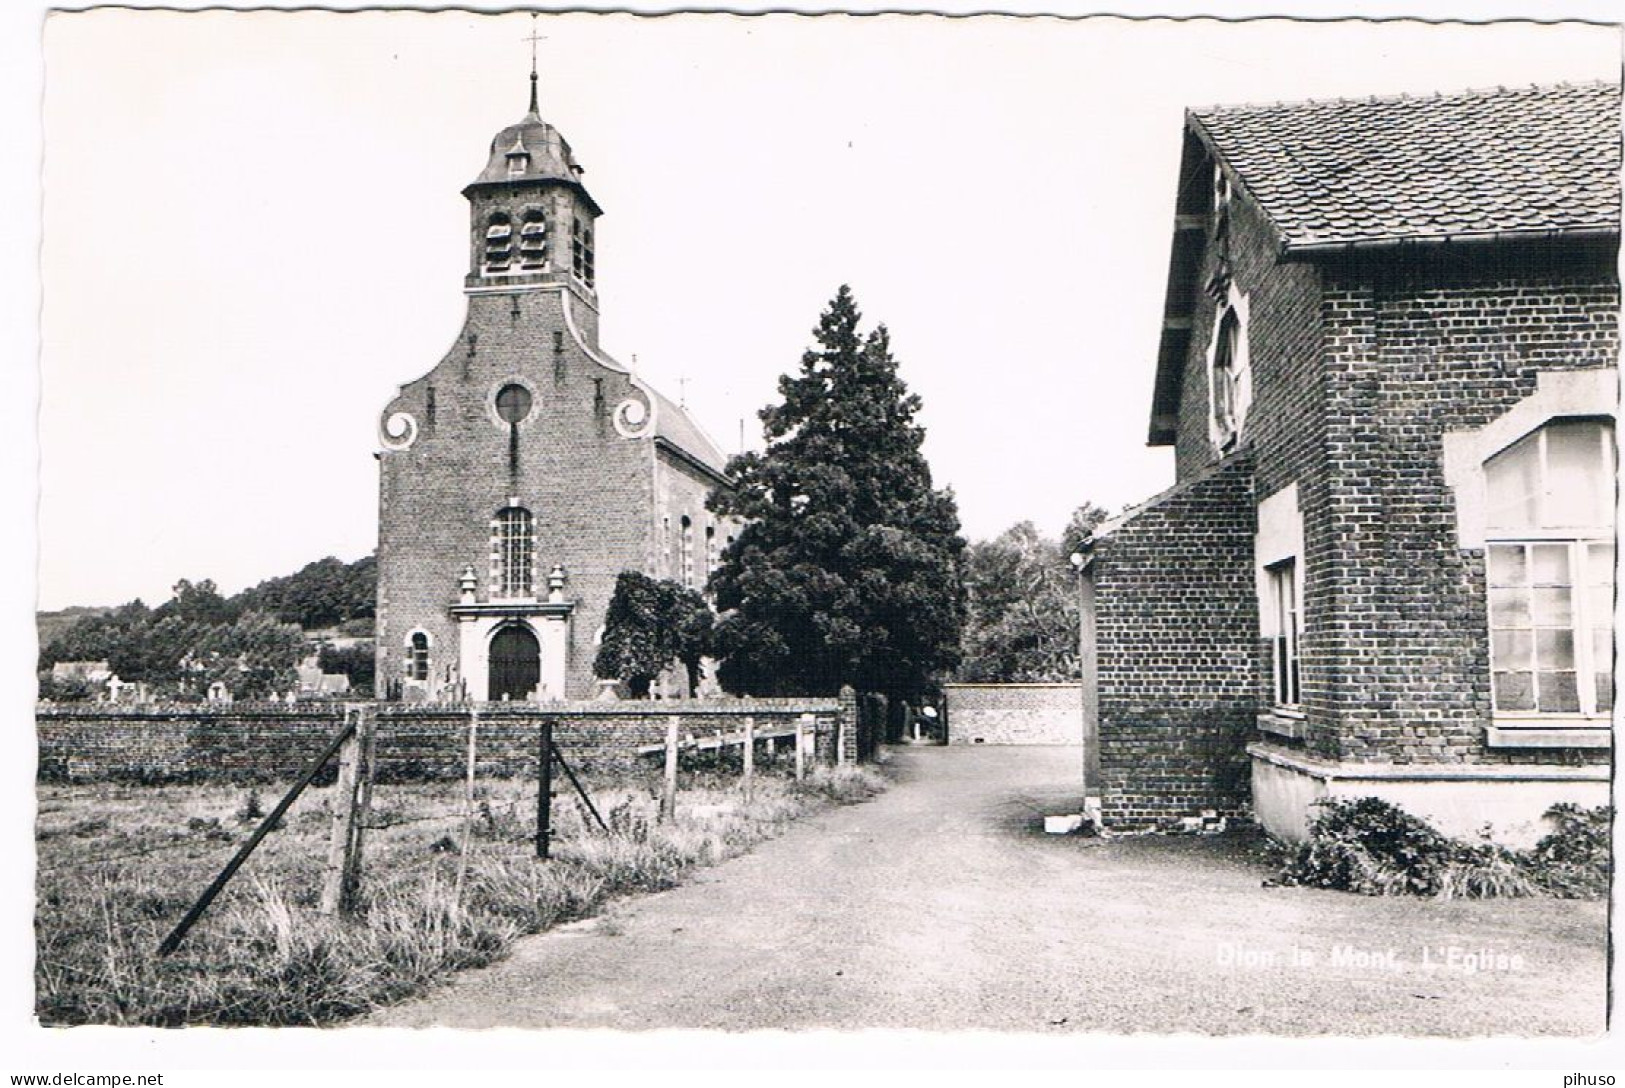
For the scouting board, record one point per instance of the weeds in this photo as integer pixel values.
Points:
(264, 956)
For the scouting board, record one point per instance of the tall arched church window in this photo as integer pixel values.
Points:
(710, 550)
(1227, 406)
(533, 239)
(687, 544)
(498, 242)
(513, 552)
(417, 657)
(1549, 554)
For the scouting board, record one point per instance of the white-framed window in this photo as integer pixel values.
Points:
(417, 656)
(1549, 559)
(1230, 383)
(710, 551)
(1282, 578)
(513, 548)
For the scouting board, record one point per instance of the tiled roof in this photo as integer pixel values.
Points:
(675, 425)
(539, 149)
(1521, 160)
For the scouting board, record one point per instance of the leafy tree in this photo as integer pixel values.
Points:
(198, 602)
(847, 569)
(359, 663)
(1084, 520)
(105, 637)
(693, 628)
(1023, 625)
(647, 626)
(254, 656)
(320, 594)
(68, 689)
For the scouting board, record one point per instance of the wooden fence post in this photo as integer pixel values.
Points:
(750, 755)
(668, 795)
(801, 747)
(544, 791)
(468, 800)
(352, 793)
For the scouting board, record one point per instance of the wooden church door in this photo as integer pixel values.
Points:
(516, 664)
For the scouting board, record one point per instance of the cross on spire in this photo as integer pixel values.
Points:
(533, 38)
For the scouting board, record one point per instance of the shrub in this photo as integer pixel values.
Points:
(1371, 847)
(1575, 860)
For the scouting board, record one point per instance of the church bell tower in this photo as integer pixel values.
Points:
(531, 220)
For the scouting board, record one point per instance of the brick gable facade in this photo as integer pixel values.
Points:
(588, 453)
(1378, 380)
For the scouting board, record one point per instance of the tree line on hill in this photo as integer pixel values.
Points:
(251, 641)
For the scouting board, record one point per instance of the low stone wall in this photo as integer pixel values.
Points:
(263, 741)
(1014, 713)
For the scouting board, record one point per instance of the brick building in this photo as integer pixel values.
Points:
(1388, 370)
(525, 471)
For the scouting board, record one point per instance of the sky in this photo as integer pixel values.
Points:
(253, 232)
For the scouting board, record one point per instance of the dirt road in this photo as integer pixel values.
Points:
(941, 905)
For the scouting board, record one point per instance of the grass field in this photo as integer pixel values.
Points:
(445, 888)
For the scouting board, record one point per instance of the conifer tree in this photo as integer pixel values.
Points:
(848, 568)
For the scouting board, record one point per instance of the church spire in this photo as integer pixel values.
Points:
(533, 39)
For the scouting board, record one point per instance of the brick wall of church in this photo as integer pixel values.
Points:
(1176, 624)
(588, 488)
(681, 491)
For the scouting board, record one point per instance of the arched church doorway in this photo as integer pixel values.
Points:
(516, 663)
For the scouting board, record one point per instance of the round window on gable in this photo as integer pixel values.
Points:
(513, 403)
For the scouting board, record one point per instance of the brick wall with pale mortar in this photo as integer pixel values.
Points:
(1176, 622)
(1014, 713)
(1360, 366)
(1418, 346)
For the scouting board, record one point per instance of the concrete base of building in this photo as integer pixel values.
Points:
(1460, 800)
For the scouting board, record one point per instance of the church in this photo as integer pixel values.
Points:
(524, 472)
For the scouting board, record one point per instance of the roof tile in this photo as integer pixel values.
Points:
(1536, 159)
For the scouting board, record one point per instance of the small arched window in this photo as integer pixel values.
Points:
(417, 657)
(513, 552)
(498, 242)
(1549, 554)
